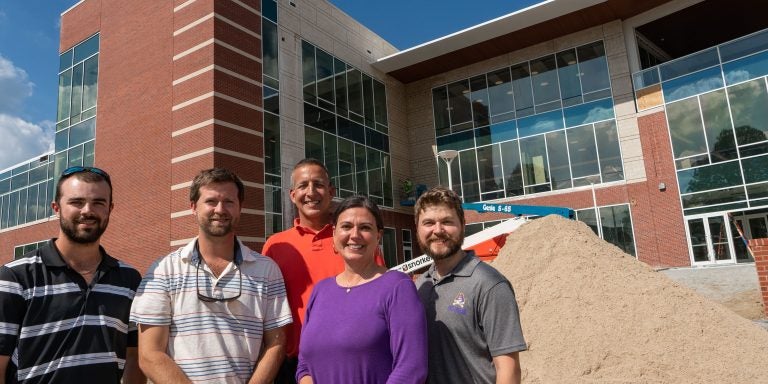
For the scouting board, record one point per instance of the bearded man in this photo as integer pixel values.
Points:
(212, 311)
(64, 307)
(472, 316)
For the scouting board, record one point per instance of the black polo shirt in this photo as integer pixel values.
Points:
(57, 328)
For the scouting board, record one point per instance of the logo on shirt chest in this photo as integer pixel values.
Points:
(458, 304)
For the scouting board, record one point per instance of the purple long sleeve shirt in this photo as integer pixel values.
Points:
(375, 333)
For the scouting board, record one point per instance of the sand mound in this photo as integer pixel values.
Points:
(593, 314)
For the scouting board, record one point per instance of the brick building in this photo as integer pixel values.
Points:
(640, 116)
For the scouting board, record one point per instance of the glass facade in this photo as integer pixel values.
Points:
(716, 104)
(21, 250)
(615, 225)
(270, 78)
(76, 112)
(389, 247)
(346, 126)
(542, 125)
(26, 192)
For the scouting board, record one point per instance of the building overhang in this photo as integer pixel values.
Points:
(529, 26)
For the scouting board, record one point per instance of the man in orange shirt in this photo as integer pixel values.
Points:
(305, 252)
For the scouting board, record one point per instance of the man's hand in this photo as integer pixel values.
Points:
(153, 360)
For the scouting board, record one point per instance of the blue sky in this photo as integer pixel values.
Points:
(29, 44)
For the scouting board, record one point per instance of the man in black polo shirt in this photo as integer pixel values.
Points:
(472, 316)
(64, 307)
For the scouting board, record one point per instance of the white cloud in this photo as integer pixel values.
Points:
(23, 140)
(15, 85)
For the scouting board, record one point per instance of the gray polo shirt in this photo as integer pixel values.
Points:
(472, 316)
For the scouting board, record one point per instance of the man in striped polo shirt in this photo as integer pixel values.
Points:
(64, 307)
(212, 311)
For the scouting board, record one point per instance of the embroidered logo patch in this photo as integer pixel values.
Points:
(458, 304)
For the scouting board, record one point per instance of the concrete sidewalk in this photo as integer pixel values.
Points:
(719, 282)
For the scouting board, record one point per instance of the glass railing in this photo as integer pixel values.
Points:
(733, 52)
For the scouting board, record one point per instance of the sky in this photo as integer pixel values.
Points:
(29, 54)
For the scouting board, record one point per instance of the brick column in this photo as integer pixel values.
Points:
(759, 248)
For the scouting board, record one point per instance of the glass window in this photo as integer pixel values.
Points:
(88, 149)
(341, 87)
(593, 67)
(77, 90)
(755, 169)
(693, 84)
(308, 72)
(479, 99)
(489, 167)
(86, 48)
(65, 94)
(501, 99)
(544, 78)
(271, 100)
(370, 116)
(325, 75)
(330, 154)
(747, 68)
(686, 128)
(313, 143)
(31, 204)
(568, 72)
(361, 176)
(534, 158)
(460, 105)
(503, 131)
(469, 185)
(617, 227)
(346, 182)
(65, 60)
(355, 91)
(389, 247)
(749, 108)
(589, 113)
(350, 130)
(689, 64)
(609, 150)
(90, 77)
(13, 209)
(374, 167)
(440, 110)
(271, 144)
(380, 103)
(407, 245)
(458, 141)
(708, 177)
(269, 46)
(541, 123)
(583, 152)
(523, 89)
(559, 168)
(319, 118)
(82, 132)
(717, 125)
(587, 216)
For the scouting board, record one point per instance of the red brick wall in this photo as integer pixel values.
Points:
(759, 249)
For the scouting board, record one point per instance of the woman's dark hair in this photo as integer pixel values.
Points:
(359, 201)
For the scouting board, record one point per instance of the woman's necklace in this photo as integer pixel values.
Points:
(349, 284)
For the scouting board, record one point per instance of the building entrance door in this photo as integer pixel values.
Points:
(754, 226)
(710, 239)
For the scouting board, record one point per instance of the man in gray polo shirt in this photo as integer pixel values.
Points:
(472, 316)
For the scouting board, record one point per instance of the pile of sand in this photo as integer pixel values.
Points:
(593, 314)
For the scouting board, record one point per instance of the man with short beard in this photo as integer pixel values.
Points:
(212, 311)
(472, 316)
(64, 307)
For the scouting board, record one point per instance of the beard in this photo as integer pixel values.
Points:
(210, 227)
(452, 246)
(83, 236)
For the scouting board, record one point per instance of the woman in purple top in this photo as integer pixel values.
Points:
(366, 325)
